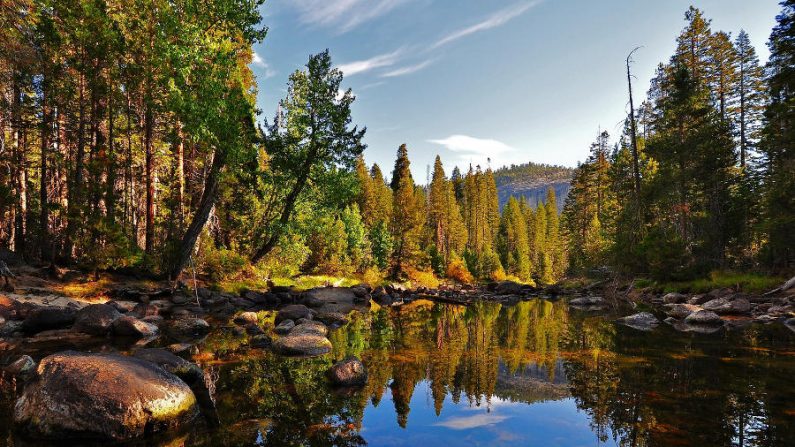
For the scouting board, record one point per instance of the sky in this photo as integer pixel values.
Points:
(471, 80)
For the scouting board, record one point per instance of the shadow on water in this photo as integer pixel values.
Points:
(487, 374)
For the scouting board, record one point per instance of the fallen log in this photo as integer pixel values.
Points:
(786, 286)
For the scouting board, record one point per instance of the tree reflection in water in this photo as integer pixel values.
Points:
(638, 389)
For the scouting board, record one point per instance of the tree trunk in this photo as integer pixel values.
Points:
(633, 130)
(20, 175)
(44, 217)
(206, 205)
(150, 182)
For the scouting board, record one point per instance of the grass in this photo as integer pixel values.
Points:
(746, 282)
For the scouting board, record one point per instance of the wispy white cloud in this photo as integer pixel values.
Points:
(478, 151)
(469, 422)
(407, 70)
(382, 60)
(497, 19)
(343, 15)
(258, 61)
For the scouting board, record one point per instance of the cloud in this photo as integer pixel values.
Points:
(383, 60)
(343, 15)
(478, 151)
(258, 61)
(407, 70)
(469, 422)
(497, 19)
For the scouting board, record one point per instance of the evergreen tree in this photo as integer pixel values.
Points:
(513, 246)
(751, 92)
(409, 214)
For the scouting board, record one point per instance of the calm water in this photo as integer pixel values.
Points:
(529, 374)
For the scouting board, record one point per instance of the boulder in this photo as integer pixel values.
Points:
(674, 298)
(253, 329)
(261, 341)
(310, 327)
(48, 317)
(302, 344)
(284, 327)
(102, 397)
(704, 317)
(728, 306)
(96, 319)
(699, 299)
(189, 372)
(587, 301)
(681, 311)
(359, 291)
(348, 372)
(246, 318)
(293, 312)
(188, 328)
(23, 367)
(643, 321)
(332, 318)
(510, 288)
(127, 326)
(122, 306)
(384, 300)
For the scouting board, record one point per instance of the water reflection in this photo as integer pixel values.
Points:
(528, 374)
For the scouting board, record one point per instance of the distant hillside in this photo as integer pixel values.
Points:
(531, 180)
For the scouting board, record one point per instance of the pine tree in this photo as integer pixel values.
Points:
(409, 214)
(513, 246)
(751, 92)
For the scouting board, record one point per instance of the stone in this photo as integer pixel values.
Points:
(256, 297)
(332, 318)
(180, 299)
(188, 327)
(102, 397)
(23, 367)
(728, 306)
(681, 311)
(310, 327)
(178, 348)
(96, 319)
(261, 341)
(293, 312)
(246, 318)
(48, 317)
(302, 344)
(643, 321)
(674, 298)
(587, 301)
(359, 291)
(189, 372)
(122, 306)
(253, 329)
(284, 327)
(704, 317)
(698, 299)
(348, 372)
(127, 326)
(384, 300)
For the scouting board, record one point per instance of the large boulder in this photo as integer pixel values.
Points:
(674, 298)
(704, 318)
(302, 344)
(643, 321)
(728, 306)
(127, 326)
(348, 372)
(681, 311)
(48, 317)
(96, 319)
(100, 396)
(310, 327)
(293, 312)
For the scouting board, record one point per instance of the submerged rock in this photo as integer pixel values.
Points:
(128, 326)
(674, 298)
(704, 318)
(101, 396)
(302, 344)
(96, 319)
(728, 305)
(293, 312)
(310, 327)
(188, 328)
(681, 311)
(348, 372)
(642, 321)
(48, 317)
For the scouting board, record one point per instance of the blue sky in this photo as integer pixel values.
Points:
(514, 80)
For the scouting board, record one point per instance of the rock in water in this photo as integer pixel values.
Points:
(96, 319)
(285, 327)
(680, 311)
(293, 312)
(51, 317)
(348, 372)
(188, 328)
(128, 326)
(101, 396)
(728, 305)
(302, 344)
(674, 298)
(704, 317)
(643, 321)
(310, 327)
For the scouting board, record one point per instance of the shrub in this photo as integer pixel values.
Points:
(457, 271)
(422, 278)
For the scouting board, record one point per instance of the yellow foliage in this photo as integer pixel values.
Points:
(373, 276)
(499, 274)
(422, 278)
(457, 271)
